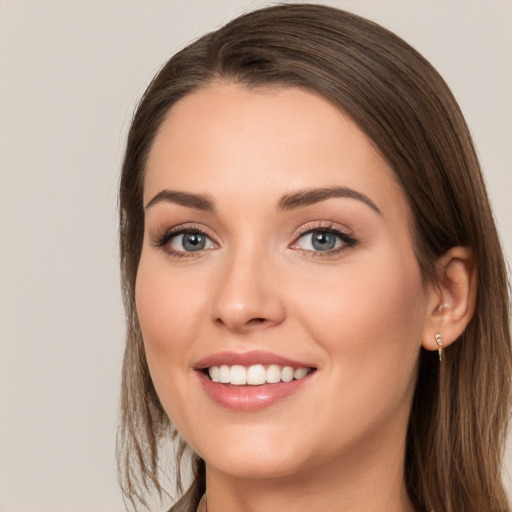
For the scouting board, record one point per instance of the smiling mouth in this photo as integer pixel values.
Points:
(255, 375)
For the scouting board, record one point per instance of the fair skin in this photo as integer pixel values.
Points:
(331, 282)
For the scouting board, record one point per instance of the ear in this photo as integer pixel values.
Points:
(452, 298)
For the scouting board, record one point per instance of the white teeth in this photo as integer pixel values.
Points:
(300, 373)
(273, 374)
(214, 373)
(223, 373)
(287, 374)
(238, 375)
(255, 375)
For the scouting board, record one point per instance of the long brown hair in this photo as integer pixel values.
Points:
(460, 410)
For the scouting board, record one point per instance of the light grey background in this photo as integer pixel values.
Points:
(71, 73)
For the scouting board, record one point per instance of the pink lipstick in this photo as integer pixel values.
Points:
(251, 381)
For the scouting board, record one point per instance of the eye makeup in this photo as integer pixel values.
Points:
(323, 239)
(194, 240)
(319, 239)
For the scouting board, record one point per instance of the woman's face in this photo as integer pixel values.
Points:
(277, 246)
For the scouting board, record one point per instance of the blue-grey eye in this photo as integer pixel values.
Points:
(323, 240)
(190, 242)
(319, 240)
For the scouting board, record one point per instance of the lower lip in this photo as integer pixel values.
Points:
(250, 398)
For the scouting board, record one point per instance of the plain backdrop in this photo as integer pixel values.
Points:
(71, 73)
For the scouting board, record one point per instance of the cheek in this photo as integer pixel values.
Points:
(167, 303)
(369, 321)
(167, 307)
(382, 300)
(168, 315)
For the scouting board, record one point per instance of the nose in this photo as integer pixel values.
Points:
(248, 296)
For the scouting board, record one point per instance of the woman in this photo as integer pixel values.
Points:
(315, 290)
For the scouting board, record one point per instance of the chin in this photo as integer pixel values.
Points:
(254, 457)
(262, 468)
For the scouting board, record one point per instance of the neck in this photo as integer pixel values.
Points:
(372, 480)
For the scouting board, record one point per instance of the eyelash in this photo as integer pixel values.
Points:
(162, 241)
(348, 241)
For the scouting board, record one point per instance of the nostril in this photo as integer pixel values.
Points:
(241, 324)
(256, 321)
(252, 321)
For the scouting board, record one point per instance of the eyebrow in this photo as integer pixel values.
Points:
(290, 201)
(315, 195)
(196, 201)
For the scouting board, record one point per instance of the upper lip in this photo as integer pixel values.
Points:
(248, 359)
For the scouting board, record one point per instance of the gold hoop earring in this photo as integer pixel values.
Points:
(439, 342)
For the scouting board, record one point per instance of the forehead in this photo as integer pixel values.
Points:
(227, 139)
